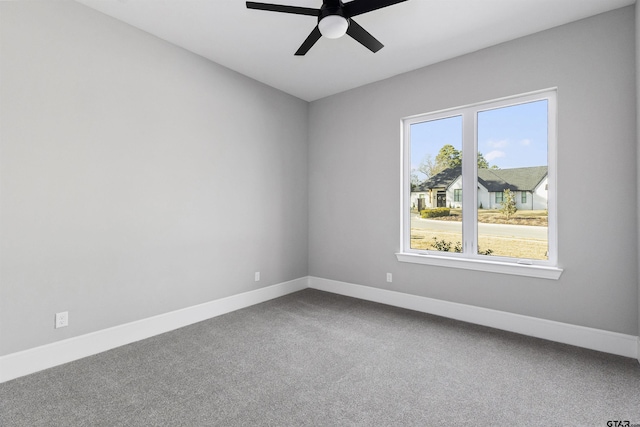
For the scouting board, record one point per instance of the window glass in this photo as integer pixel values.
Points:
(436, 171)
(513, 141)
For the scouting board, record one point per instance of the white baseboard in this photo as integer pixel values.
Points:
(36, 359)
(580, 336)
(32, 360)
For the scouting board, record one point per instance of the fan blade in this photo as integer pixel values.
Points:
(283, 8)
(358, 7)
(363, 37)
(309, 42)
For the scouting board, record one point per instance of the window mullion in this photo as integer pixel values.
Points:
(469, 180)
(405, 186)
(552, 170)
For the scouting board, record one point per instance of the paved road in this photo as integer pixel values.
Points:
(503, 230)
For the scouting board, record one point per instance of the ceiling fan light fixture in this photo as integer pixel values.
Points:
(333, 26)
(334, 20)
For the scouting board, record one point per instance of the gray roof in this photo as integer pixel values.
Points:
(442, 179)
(494, 180)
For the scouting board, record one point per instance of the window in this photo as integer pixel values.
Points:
(479, 157)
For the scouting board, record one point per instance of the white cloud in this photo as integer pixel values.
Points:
(495, 154)
(525, 142)
(498, 144)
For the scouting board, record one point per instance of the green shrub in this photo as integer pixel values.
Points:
(508, 204)
(444, 246)
(435, 212)
(487, 252)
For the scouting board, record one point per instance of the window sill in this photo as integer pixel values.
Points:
(538, 271)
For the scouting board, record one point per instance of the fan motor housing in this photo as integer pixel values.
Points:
(331, 8)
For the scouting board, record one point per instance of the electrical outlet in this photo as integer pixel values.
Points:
(62, 319)
(257, 276)
(389, 278)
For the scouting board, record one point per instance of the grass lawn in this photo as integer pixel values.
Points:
(501, 246)
(494, 216)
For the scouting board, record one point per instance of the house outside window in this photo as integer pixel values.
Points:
(465, 154)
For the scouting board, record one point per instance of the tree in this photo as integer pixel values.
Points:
(415, 181)
(508, 204)
(448, 157)
(482, 162)
(428, 167)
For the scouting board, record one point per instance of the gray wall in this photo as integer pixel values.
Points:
(354, 174)
(637, 9)
(136, 178)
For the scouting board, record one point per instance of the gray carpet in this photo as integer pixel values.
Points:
(314, 358)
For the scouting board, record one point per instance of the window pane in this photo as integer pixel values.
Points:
(436, 184)
(512, 143)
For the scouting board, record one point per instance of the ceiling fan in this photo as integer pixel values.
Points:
(334, 20)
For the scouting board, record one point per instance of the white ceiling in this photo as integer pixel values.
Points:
(415, 33)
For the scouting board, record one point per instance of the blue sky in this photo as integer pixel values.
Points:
(508, 137)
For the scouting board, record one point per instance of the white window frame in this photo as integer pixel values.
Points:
(470, 259)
